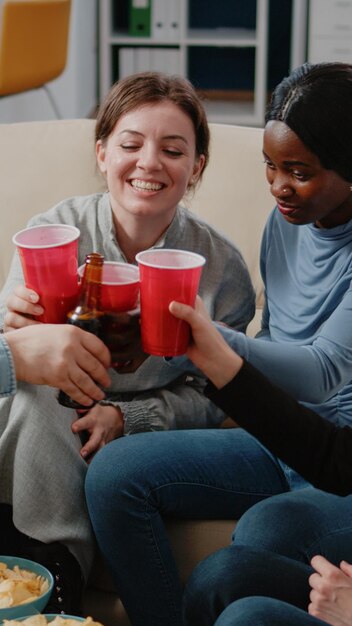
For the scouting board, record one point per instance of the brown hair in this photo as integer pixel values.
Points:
(139, 89)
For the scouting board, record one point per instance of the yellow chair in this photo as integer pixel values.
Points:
(33, 44)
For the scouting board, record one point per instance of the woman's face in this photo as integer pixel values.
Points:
(149, 160)
(305, 192)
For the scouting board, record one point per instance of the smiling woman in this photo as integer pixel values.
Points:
(148, 171)
(152, 143)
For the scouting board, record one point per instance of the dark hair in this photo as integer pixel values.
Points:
(315, 101)
(139, 89)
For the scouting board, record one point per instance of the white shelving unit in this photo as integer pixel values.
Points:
(330, 31)
(299, 26)
(223, 109)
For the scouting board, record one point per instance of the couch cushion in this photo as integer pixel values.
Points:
(42, 163)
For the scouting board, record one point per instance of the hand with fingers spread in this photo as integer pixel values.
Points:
(22, 308)
(331, 594)
(103, 423)
(208, 350)
(61, 356)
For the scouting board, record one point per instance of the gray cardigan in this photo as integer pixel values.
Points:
(155, 397)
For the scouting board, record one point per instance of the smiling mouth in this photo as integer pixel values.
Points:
(146, 185)
(287, 210)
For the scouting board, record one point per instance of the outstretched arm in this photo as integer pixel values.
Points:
(268, 412)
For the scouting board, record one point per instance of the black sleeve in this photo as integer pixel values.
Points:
(317, 449)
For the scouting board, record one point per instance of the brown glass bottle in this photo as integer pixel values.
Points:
(87, 313)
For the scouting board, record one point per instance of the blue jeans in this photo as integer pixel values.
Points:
(259, 611)
(134, 482)
(272, 547)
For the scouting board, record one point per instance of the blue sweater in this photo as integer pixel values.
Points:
(305, 345)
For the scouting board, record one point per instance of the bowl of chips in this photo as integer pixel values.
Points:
(25, 587)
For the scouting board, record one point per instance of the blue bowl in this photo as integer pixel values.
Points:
(37, 604)
(51, 616)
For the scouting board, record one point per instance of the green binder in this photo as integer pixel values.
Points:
(139, 18)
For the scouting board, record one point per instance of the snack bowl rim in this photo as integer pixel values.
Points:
(50, 617)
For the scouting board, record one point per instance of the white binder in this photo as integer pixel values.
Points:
(159, 20)
(173, 20)
(126, 61)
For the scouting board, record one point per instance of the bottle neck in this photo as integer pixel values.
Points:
(90, 293)
(91, 288)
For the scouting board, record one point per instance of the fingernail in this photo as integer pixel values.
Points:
(38, 310)
(34, 297)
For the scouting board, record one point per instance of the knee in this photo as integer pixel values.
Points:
(125, 471)
(111, 473)
(256, 610)
(275, 523)
(108, 466)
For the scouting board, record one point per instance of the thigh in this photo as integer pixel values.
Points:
(299, 525)
(257, 611)
(42, 472)
(236, 572)
(200, 474)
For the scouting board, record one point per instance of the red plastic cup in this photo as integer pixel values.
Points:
(166, 275)
(120, 286)
(48, 256)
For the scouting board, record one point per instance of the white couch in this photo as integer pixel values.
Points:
(43, 162)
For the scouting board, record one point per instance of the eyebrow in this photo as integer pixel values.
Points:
(290, 163)
(135, 132)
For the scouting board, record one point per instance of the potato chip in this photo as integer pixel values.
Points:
(19, 586)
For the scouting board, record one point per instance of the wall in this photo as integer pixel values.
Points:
(75, 91)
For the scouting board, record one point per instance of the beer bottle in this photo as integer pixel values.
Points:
(87, 313)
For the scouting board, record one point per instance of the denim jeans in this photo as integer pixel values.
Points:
(133, 482)
(272, 547)
(259, 611)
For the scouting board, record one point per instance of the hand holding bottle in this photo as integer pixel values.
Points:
(61, 356)
(87, 313)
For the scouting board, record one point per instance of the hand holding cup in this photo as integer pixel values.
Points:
(166, 275)
(48, 255)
